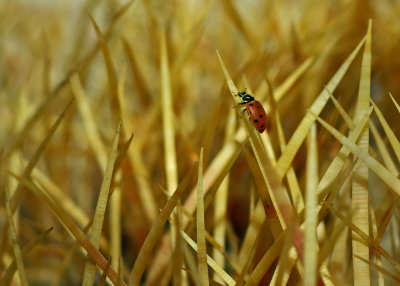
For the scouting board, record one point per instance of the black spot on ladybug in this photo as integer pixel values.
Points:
(251, 104)
(260, 115)
(255, 120)
(262, 126)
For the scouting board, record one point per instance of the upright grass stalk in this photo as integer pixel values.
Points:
(14, 240)
(359, 195)
(311, 214)
(90, 267)
(201, 239)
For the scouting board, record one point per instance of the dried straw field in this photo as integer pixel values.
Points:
(127, 158)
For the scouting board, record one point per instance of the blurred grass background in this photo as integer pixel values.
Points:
(49, 53)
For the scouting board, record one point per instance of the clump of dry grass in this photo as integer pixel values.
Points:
(122, 160)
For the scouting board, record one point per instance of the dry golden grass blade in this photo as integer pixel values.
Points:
(231, 84)
(87, 60)
(266, 261)
(39, 151)
(240, 279)
(8, 275)
(252, 233)
(29, 124)
(65, 263)
(363, 237)
(387, 216)
(89, 123)
(234, 16)
(382, 270)
(231, 260)
(300, 134)
(260, 184)
(102, 281)
(225, 276)
(70, 225)
(383, 151)
(178, 276)
(18, 139)
(221, 202)
(288, 63)
(311, 212)
(171, 168)
(338, 162)
(278, 193)
(341, 110)
(111, 73)
(122, 154)
(46, 65)
(284, 268)
(285, 263)
(381, 281)
(190, 261)
(266, 141)
(156, 230)
(168, 119)
(143, 91)
(237, 268)
(14, 241)
(388, 178)
(200, 230)
(210, 128)
(116, 198)
(48, 186)
(284, 87)
(338, 249)
(262, 211)
(395, 102)
(255, 142)
(145, 192)
(293, 183)
(190, 42)
(98, 219)
(213, 176)
(360, 197)
(331, 242)
(82, 20)
(394, 142)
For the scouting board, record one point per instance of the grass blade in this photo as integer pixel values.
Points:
(311, 212)
(155, 232)
(90, 267)
(39, 151)
(359, 188)
(70, 225)
(300, 134)
(201, 239)
(8, 275)
(225, 276)
(14, 241)
(388, 178)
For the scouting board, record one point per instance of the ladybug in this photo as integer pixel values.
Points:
(255, 110)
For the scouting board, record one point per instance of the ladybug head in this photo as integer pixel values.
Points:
(245, 96)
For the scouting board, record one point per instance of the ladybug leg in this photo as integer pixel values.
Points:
(242, 111)
(239, 105)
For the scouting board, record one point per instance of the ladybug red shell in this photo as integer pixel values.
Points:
(255, 110)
